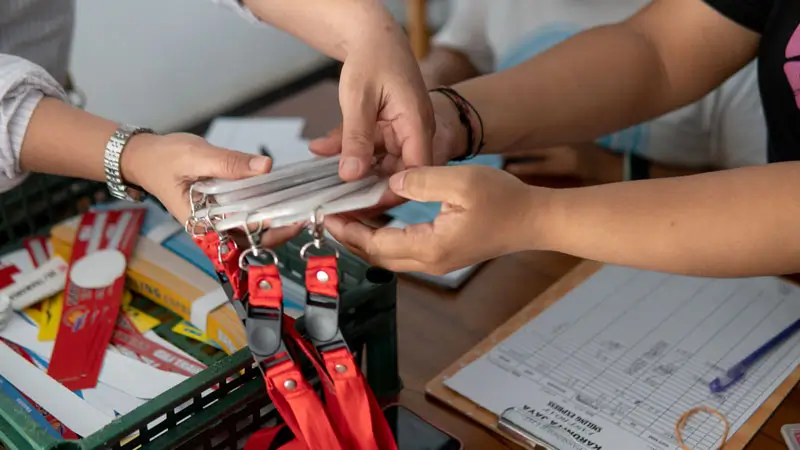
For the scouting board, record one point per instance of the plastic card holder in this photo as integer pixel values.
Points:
(301, 206)
(364, 198)
(253, 203)
(275, 186)
(219, 186)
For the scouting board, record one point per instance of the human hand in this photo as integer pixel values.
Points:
(586, 161)
(485, 213)
(166, 166)
(382, 96)
(449, 141)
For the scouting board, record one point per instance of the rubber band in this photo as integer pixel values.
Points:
(685, 417)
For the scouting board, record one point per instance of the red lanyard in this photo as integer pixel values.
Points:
(350, 418)
(351, 404)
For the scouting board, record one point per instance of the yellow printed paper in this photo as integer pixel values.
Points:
(185, 328)
(50, 316)
(34, 313)
(141, 320)
(126, 298)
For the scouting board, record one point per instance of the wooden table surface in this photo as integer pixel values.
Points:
(436, 327)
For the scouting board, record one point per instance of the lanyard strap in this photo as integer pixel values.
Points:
(261, 310)
(255, 290)
(351, 403)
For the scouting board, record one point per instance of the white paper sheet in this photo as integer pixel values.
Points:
(620, 358)
(280, 136)
(64, 405)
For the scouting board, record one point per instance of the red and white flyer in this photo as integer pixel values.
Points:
(93, 294)
(131, 342)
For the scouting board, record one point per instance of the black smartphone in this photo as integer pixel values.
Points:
(412, 432)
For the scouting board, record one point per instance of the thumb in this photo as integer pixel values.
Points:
(431, 184)
(214, 162)
(360, 115)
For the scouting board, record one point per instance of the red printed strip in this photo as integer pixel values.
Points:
(38, 248)
(153, 354)
(7, 275)
(90, 313)
(62, 429)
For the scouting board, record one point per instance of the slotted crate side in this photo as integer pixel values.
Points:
(41, 201)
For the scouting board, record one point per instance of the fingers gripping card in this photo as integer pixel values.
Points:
(93, 294)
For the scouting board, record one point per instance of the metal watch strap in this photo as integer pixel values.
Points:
(113, 154)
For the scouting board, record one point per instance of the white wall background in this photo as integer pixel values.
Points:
(169, 64)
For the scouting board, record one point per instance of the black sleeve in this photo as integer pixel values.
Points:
(752, 14)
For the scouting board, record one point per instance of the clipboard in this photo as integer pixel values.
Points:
(437, 389)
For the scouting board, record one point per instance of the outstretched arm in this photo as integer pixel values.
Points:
(40, 132)
(740, 222)
(669, 54)
(332, 27)
(380, 81)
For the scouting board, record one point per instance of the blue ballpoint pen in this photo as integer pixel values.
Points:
(736, 372)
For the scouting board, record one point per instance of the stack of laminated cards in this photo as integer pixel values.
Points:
(288, 195)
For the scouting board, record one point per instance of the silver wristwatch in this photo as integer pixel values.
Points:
(116, 144)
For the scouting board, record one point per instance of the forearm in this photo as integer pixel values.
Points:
(63, 140)
(580, 90)
(443, 66)
(732, 223)
(41, 133)
(330, 26)
(574, 92)
(611, 168)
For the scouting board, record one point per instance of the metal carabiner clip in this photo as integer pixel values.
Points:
(317, 231)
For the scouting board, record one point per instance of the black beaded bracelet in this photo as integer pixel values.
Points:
(636, 167)
(465, 109)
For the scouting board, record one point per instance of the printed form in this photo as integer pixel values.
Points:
(616, 361)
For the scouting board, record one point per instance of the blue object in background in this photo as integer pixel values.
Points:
(412, 213)
(11, 392)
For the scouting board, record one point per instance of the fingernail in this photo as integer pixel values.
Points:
(259, 163)
(396, 182)
(350, 167)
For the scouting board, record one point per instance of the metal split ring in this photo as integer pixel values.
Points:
(191, 225)
(192, 204)
(318, 246)
(255, 252)
(317, 232)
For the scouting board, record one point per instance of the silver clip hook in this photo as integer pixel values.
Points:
(317, 231)
(255, 248)
(192, 221)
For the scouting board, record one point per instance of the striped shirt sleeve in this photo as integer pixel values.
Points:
(22, 85)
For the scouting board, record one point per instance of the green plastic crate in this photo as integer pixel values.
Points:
(191, 416)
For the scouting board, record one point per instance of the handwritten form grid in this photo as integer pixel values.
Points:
(639, 349)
